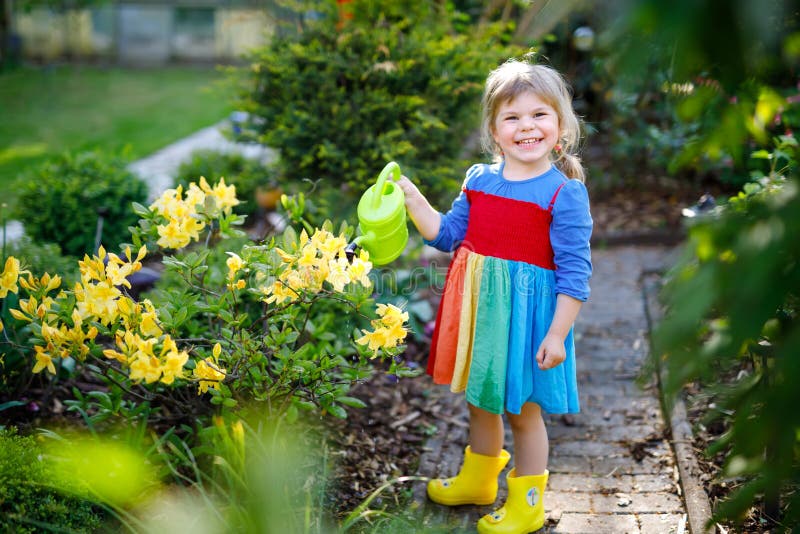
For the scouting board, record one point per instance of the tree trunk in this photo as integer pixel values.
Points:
(489, 10)
(526, 20)
(5, 33)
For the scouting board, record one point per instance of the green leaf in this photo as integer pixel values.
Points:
(11, 404)
(140, 210)
(336, 411)
(351, 401)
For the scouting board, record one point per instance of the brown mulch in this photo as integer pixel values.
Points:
(706, 431)
(382, 441)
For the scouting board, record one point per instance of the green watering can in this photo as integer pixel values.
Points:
(382, 219)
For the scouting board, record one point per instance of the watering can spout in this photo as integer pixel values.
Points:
(382, 219)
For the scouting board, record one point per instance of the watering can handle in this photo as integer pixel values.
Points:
(391, 167)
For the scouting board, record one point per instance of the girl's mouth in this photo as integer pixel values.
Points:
(529, 142)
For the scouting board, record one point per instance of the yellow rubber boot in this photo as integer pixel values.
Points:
(524, 508)
(476, 482)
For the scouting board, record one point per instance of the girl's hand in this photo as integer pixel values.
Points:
(551, 352)
(412, 194)
(424, 217)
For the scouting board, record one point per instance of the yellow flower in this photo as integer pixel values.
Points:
(100, 301)
(173, 361)
(147, 368)
(172, 235)
(225, 195)
(358, 271)
(43, 361)
(235, 264)
(209, 374)
(332, 247)
(194, 197)
(51, 283)
(93, 268)
(337, 274)
(9, 277)
(375, 339)
(170, 204)
(127, 343)
(320, 237)
(390, 312)
(149, 325)
(117, 270)
(19, 316)
(285, 256)
(308, 256)
(192, 227)
(388, 329)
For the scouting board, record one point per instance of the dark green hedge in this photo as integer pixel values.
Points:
(60, 201)
(399, 82)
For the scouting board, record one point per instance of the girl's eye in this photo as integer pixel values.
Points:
(511, 117)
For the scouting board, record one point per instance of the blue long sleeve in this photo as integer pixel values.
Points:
(453, 225)
(569, 235)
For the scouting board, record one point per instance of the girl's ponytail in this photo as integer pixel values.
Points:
(570, 165)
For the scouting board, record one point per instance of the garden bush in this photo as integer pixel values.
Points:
(61, 201)
(14, 366)
(731, 302)
(732, 307)
(289, 323)
(396, 82)
(29, 501)
(246, 174)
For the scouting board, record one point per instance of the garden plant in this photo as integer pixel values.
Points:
(278, 328)
(731, 302)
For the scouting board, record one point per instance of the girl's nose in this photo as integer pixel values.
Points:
(527, 123)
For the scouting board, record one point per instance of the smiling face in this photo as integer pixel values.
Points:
(526, 130)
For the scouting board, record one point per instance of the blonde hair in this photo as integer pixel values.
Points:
(515, 77)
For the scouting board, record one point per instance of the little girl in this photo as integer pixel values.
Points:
(519, 276)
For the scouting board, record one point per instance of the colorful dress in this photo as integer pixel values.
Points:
(519, 244)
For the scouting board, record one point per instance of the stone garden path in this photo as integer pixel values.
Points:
(611, 467)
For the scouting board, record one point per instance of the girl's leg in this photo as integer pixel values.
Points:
(531, 446)
(524, 507)
(484, 459)
(485, 431)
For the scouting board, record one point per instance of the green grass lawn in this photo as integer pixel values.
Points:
(45, 111)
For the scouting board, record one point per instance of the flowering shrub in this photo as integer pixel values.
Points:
(270, 324)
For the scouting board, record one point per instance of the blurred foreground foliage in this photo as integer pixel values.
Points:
(732, 301)
(690, 103)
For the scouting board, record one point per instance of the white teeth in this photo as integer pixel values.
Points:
(528, 141)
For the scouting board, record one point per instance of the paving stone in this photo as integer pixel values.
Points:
(624, 433)
(570, 464)
(626, 465)
(567, 501)
(613, 484)
(637, 503)
(661, 523)
(597, 523)
(592, 449)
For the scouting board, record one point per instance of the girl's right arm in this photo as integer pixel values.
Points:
(425, 218)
